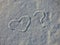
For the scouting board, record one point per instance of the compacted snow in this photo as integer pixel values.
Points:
(29, 22)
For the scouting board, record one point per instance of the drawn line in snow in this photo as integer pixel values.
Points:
(37, 12)
(13, 24)
(28, 22)
(45, 16)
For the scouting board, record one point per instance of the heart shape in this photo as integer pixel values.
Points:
(17, 24)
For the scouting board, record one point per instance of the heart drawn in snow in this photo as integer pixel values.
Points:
(22, 24)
